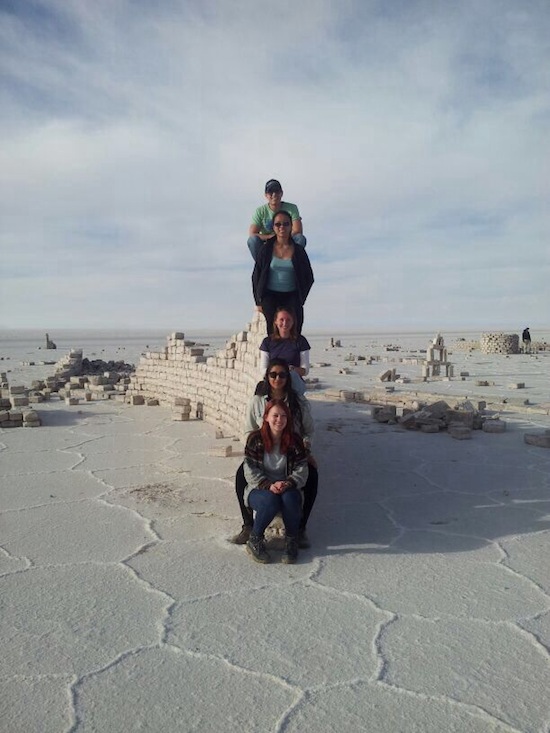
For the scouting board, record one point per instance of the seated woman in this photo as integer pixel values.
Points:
(275, 468)
(282, 273)
(277, 381)
(285, 343)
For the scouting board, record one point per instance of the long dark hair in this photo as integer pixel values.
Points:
(290, 396)
(287, 437)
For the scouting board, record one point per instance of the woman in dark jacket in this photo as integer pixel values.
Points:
(282, 274)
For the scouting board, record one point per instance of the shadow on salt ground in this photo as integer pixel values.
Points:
(61, 418)
(386, 490)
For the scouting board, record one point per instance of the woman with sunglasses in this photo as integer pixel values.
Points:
(275, 467)
(282, 273)
(285, 343)
(277, 387)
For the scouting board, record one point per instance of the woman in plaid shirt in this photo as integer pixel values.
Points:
(276, 469)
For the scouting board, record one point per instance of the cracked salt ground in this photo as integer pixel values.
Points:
(423, 604)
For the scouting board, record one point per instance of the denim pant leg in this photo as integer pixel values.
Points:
(266, 504)
(292, 511)
(297, 383)
(299, 239)
(254, 244)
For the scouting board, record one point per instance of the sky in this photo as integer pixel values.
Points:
(137, 138)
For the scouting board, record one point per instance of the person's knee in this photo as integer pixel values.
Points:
(292, 498)
(262, 500)
(299, 239)
(254, 243)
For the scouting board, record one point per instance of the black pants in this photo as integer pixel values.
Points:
(273, 300)
(310, 494)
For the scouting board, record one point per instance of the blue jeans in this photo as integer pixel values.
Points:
(255, 243)
(267, 505)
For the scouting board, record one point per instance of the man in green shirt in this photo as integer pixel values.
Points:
(261, 228)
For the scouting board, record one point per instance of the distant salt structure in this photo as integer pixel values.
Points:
(499, 343)
(436, 360)
(49, 343)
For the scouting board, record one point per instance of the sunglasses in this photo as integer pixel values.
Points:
(277, 375)
(281, 224)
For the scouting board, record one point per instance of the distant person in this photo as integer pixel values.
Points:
(285, 343)
(275, 467)
(282, 274)
(261, 228)
(526, 338)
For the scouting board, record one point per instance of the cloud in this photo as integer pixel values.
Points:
(138, 137)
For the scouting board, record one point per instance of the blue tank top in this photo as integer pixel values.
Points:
(281, 276)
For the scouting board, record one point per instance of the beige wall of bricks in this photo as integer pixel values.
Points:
(215, 388)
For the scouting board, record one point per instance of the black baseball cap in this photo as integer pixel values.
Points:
(272, 186)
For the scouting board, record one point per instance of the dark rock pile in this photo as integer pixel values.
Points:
(98, 366)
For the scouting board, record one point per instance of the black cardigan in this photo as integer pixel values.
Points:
(302, 271)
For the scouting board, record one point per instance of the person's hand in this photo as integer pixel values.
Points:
(259, 309)
(278, 487)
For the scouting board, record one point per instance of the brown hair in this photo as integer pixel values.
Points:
(287, 438)
(293, 330)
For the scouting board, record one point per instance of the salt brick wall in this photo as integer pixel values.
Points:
(499, 343)
(219, 386)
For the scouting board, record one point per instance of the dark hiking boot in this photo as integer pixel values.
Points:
(242, 537)
(291, 551)
(256, 548)
(303, 540)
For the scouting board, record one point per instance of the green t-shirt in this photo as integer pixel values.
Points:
(263, 216)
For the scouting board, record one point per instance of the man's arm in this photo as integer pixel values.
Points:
(297, 226)
(254, 231)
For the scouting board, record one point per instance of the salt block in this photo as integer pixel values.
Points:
(347, 395)
(152, 402)
(223, 451)
(182, 401)
(408, 421)
(384, 414)
(137, 399)
(494, 426)
(541, 440)
(180, 416)
(429, 428)
(463, 417)
(517, 385)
